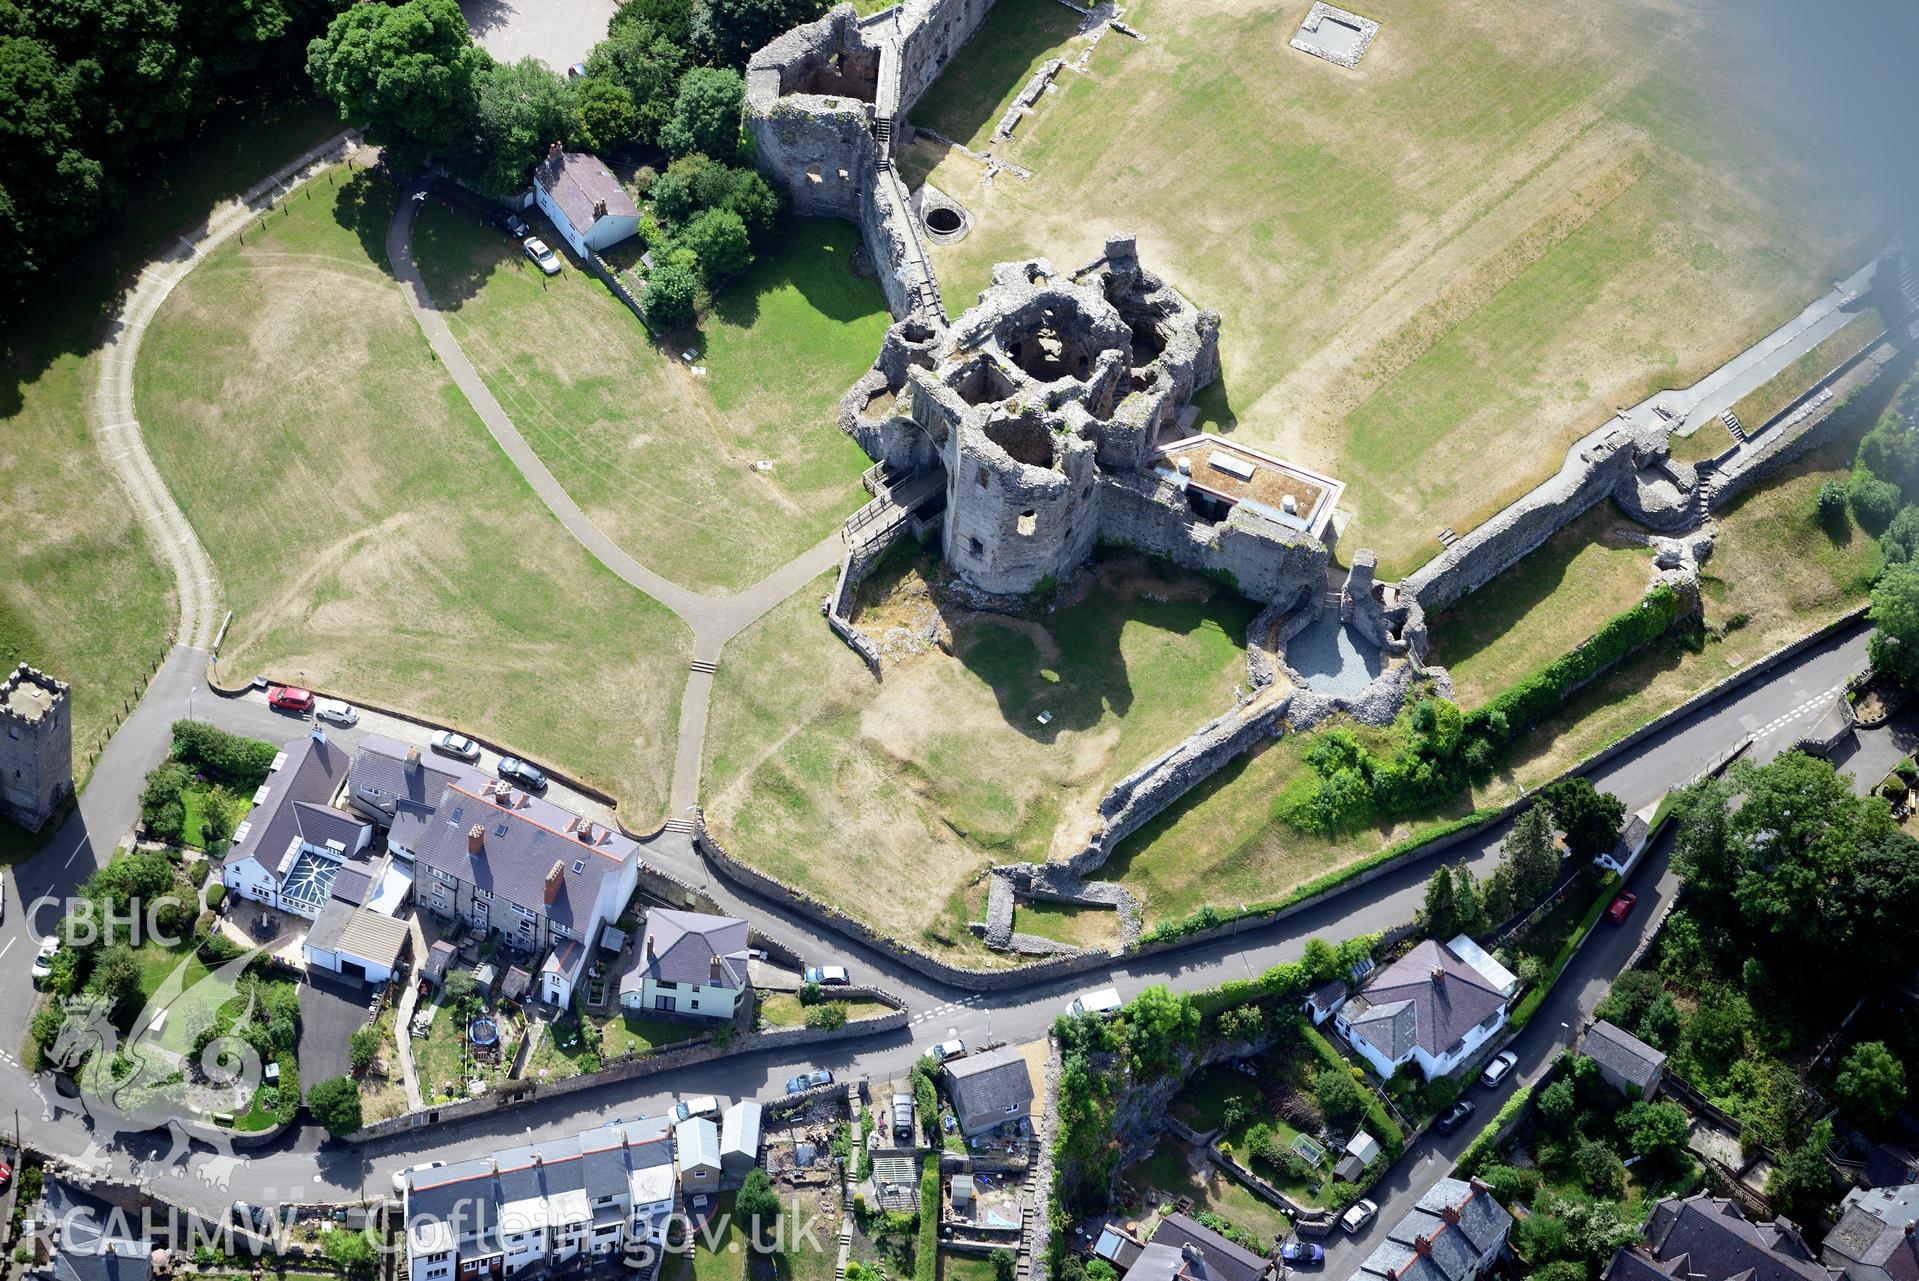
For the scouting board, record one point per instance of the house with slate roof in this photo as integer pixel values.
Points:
(516, 865)
(989, 1089)
(1625, 1062)
(1454, 1233)
(594, 1194)
(392, 784)
(690, 963)
(1184, 1248)
(1706, 1238)
(583, 200)
(1877, 1237)
(91, 1239)
(1431, 1007)
(291, 846)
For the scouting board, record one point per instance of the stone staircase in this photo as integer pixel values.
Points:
(684, 825)
(1734, 426)
(1447, 537)
(1030, 1192)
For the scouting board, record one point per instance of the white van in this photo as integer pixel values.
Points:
(1103, 1002)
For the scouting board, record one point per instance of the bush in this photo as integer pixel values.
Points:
(1003, 1264)
(719, 237)
(671, 291)
(162, 811)
(1874, 502)
(811, 994)
(1599, 1169)
(216, 895)
(235, 763)
(1831, 506)
(826, 1017)
(362, 1046)
(335, 1104)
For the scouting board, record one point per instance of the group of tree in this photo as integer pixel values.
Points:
(90, 89)
(666, 79)
(1882, 494)
(1529, 860)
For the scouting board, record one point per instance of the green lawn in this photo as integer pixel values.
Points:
(195, 800)
(1436, 270)
(1542, 607)
(955, 1266)
(630, 1033)
(661, 458)
(82, 594)
(838, 781)
(1066, 923)
(780, 1009)
(722, 1257)
(975, 90)
(371, 537)
(158, 962)
(1168, 1169)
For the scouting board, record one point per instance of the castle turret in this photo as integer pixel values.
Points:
(36, 746)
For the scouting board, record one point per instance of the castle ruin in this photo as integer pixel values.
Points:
(36, 747)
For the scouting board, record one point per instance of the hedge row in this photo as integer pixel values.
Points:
(1482, 1145)
(926, 1258)
(1530, 1003)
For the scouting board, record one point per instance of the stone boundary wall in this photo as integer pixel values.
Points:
(1816, 425)
(701, 1050)
(858, 562)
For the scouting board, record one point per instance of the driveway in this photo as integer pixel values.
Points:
(332, 1008)
(557, 32)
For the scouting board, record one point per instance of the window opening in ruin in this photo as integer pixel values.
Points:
(844, 176)
(976, 547)
(1028, 523)
(813, 174)
(979, 474)
(1148, 342)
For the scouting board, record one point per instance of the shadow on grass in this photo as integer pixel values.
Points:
(1012, 40)
(813, 257)
(1215, 408)
(457, 251)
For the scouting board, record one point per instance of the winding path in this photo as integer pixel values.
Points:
(714, 620)
(111, 412)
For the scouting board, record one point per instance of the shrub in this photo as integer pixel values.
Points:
(811, 994)
(1874, 502)
(362, 1046)
(236, 763)
(335, 1104)
(1003, 1264)
(216, 895)
(671, 290)
(1831, 506)
(826, 1017)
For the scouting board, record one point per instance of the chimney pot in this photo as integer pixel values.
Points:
(475, 839)
(412, 756)
(599, 208)
(555, 877)
(649, 946)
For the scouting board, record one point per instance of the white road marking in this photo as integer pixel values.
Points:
(9, 946)
(74, 853)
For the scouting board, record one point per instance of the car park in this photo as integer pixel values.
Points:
(447, 743)
(525, 773)
(1621, 906)
(1103, 1002)
(289, 698)
(43, 959)
(543, 258)
(1299, 1253)
(827, 975)
(512, 224)
(702, 1105)
(332, 709)
(1454, 1116)
(1503, 1062)
(951, 1048)
(1358, 1215)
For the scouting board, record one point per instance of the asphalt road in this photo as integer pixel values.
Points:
(300, 1166)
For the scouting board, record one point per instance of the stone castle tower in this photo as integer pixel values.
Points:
(36, 746)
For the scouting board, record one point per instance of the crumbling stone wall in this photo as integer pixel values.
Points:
(929, 33)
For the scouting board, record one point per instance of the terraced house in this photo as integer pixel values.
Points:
(540, 877)
(603, 1191)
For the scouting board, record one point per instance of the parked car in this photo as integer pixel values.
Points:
(903, 1115)
(704, 1105)
(399, 1178)
(827, 975)
(818, 1077)
(43, 959)
(951, 1048)
(1621, 906)
(1358, 1215)
(525, 773)
(512, 224)
(1297, 1253)
(1105, 1001)
(332, 709)
(1503, 1062)
(543, 258)
(6, 1174)
(1454, 1116)
(798, 1084)
(447, 743)
(289, 698)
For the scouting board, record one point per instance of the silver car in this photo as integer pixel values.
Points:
(447, 743)
(543, 258)
(1358, 1215)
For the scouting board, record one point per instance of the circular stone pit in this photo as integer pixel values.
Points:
(944, 218)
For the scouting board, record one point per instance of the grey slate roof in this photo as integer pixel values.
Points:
(1716, 1243)
(1328, 995)
(1443, 1237)
(327, 927)
(351, 882)
(518, 846)
(680, 947)
(983, 1086)
(575, 180)
(1225, 1261)
(1429, 997)
(312, 771)
(1624, 1054)
(1871, 1240)
(1166, 1262)
(381, 765)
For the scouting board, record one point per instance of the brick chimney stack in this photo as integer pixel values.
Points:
(555, 151)
(555, 878)
(475, 839)
(412, 756)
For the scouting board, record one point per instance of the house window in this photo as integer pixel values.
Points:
(665, 1003)
(1011, 1108)
(561, 932)
(579, 865)
(1028, 523)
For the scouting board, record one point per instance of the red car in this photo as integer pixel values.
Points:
(1620, 907)
(288, 698)
(6, 1174)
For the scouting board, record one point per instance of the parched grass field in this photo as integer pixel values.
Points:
(82, 594)
(659, 457)
(975, 90)
(1540, 608)
(890, 798)
(1438, 269)
(1067, 923)
(370, 536)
